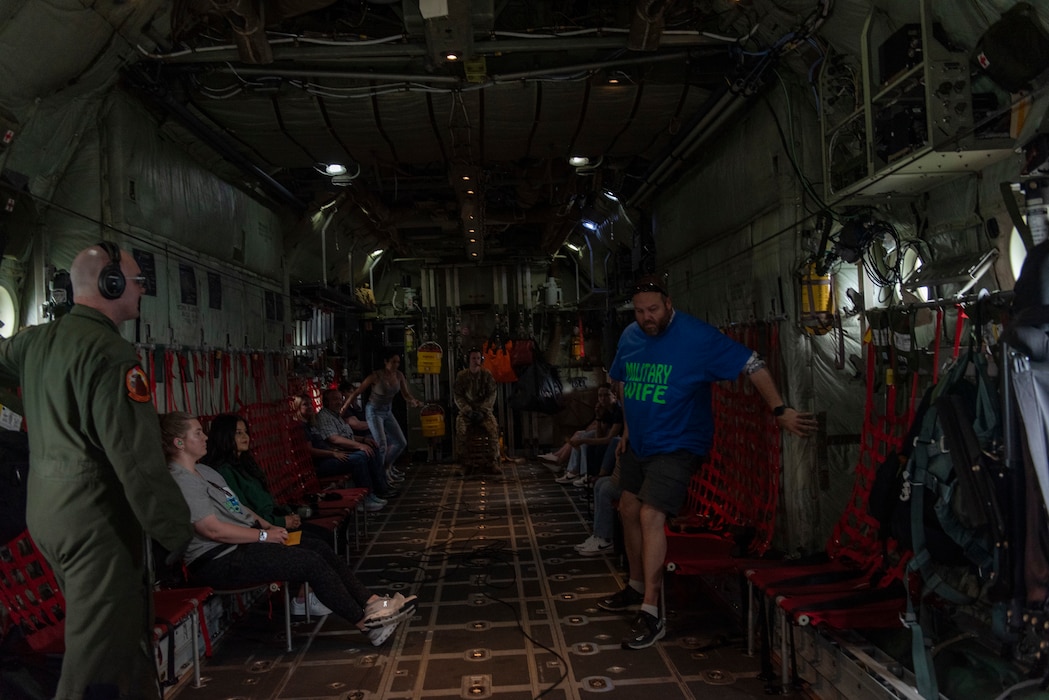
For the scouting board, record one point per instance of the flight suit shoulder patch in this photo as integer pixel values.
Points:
(137, 385)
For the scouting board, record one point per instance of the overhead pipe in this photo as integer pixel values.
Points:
(296, 49)
(446, 79)
(723, 104)
(324, 247)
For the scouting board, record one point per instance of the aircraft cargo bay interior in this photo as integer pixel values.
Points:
(361, 349)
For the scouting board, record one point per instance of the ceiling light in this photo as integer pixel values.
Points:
(470, 192)
(375, 253)
(612, 80)
(466, 178)
(451, 56)
(578, 161)
(335, 169)
(573, 247)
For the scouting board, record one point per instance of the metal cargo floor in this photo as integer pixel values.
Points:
(507, 609)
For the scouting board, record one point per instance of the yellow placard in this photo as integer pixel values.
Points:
(294, 537)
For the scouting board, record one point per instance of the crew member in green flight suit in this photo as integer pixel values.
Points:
(98, 479)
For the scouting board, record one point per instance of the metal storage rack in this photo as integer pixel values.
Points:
(906, 123)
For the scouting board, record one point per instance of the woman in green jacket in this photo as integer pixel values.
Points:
(229, 453)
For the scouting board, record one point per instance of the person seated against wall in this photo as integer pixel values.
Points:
(353, 413)
(474, 392)
(229, 453)
(330, 427)
(233, 547)
(606, 493)
(385, 385)
(561, 455)
(591, 445)
(333, 461)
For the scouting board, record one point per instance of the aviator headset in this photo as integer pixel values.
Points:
(111, 280)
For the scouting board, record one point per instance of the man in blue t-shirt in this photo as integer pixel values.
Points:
(665, 364)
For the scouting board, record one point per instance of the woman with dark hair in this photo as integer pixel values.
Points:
(385, 384)
(231, 547)
(229, 453)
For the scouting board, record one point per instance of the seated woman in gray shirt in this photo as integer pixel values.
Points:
(233, 547)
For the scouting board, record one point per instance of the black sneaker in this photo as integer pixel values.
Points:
(646, 631)
(626, 599)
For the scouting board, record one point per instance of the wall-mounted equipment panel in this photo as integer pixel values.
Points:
(905, 119)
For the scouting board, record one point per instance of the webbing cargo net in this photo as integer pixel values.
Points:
(860, 587)
(855, 537)
(31, 595)
(733, 498)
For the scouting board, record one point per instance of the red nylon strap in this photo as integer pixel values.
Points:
(183, 370)
(169, 378)
(237, 401)
(153, 379)
(224, 373)
(258, 368)
(936, 346)
(198, 379)
(958, 330)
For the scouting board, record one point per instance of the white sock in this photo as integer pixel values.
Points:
(652, 610)
(638, 586)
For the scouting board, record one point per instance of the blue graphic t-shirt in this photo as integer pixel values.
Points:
(667, 378)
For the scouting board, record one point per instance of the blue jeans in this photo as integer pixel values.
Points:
(606, 490)
(386, 432)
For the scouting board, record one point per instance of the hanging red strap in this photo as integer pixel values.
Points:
(169, 377)
(243, 375)
(198, 379)
(153, 378)
(258, 370)
(937, 339)
(224, 376)
(183, 372)
(958, 326)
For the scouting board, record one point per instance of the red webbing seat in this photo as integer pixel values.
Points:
(31, 595)
(170, 608)
(286, 460)
(732, 500)
(859, 586)
(855, 553)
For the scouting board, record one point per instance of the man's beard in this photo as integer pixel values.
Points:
(656, 327)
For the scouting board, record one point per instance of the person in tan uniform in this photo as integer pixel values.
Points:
(98, 479)
(474, 393)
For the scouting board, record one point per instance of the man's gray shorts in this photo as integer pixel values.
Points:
(661, 480)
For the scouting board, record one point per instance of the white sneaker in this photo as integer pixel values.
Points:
(549, 457)
(566, 478)
(584, 543)
(595, 546)
(298, 607)
(387, 611)
(581, 481)
(380, 634)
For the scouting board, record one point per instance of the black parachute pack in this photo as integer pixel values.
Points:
(538, 388)
(955, 485)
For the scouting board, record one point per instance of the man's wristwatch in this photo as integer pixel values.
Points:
(263, 535)
(780, 410)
